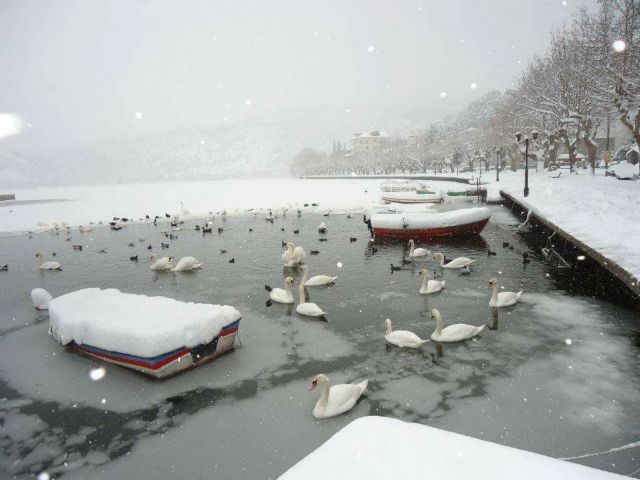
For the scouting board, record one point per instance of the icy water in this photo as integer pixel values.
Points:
(556, 374)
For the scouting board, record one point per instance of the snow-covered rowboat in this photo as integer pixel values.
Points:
(157, 336)
(428, 224)
(411, 197)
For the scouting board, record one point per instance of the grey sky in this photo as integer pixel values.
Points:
(80, 70)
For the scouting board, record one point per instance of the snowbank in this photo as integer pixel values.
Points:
(597, 210)
(135, 324)
(383, 448)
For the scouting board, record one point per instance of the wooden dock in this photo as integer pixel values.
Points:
(622, 275)
(7, 196)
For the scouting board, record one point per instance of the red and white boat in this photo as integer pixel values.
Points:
(409, 223)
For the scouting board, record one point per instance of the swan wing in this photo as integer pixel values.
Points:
(458, 332)
(280, 295)
(320, 280)
(404, 338)
(459, 262)
(309, 309)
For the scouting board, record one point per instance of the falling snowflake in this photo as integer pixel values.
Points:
(347, 110)
(10, 124)
(138, 115)
(473, 85)
(443, 94)
(568, 341)
(371, 49)
(202, 142)
(619, 46)
(581, 257)
(103, 401)
(97, 373)
(564, 3)
(44, 476)
(339, 264)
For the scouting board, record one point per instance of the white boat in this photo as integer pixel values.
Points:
(417, 196)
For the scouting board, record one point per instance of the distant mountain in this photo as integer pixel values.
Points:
(262, 146)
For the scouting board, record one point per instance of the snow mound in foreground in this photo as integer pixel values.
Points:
(135, 324)
(384, 448)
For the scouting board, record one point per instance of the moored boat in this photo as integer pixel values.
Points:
(417, 196)
(466, 221)
(157, 336)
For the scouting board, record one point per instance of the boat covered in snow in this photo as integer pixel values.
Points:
(415, 196)
(409, 223)
(157, 336)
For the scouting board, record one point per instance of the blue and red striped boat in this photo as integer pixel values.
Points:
(169, 363)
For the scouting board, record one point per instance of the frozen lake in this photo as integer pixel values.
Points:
(556, 375)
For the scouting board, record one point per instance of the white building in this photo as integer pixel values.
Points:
(373, 141)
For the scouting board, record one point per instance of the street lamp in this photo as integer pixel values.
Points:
(526, 141)
(498, 150)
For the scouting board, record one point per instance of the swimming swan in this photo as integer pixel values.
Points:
(453, 333)
(336, 399)
(430, 286)
(402, 338)
(316, 280)
(502, 299)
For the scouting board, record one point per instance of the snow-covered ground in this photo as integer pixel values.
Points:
(383, 448)
(600, 211)
(81, 205)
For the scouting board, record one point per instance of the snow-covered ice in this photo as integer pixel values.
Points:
(135, 324)
(383, 448)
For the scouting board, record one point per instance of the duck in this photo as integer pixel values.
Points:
(417, 252)
(402, 338)
(322, 228)
(281, 295)
(163, 263)
(430, 286)
(455, 263)
(41, 298)
(502, 299)
(458, 332)
(316, 280)
(187, 263)
(42, 265)
(308, 309)
(4, 267)
(336, 399)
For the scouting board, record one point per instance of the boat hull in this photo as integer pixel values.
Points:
(472, 228)
(170, 363)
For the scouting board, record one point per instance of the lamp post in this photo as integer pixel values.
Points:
(498, 164)
(520, 140)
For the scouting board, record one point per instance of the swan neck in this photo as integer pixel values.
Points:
(411, 250)
(301, 292)
(439, 325)
(389, 329)
(287, 287)
(425, 280)
(494, 296)
(324, 399)
(305, 275)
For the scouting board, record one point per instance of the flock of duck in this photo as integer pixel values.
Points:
(337, 399)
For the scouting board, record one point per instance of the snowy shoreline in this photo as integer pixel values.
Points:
(594, 209)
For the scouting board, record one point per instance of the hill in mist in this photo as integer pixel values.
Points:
(262, 146)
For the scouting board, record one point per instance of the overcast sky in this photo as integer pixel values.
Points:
(81, 70)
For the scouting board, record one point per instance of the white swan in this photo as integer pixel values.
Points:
(288, 252)
(502, 299)
(84, 229)
(42, 265)
(455, 263)
(402, 338)
(163, 263)
(417, 252)
(40, 298)
(430, 286)
(281, 295)
(316, 280)
(336, 399)
(453, 333)
(298, 255)
(308, 309)
(187, 263)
